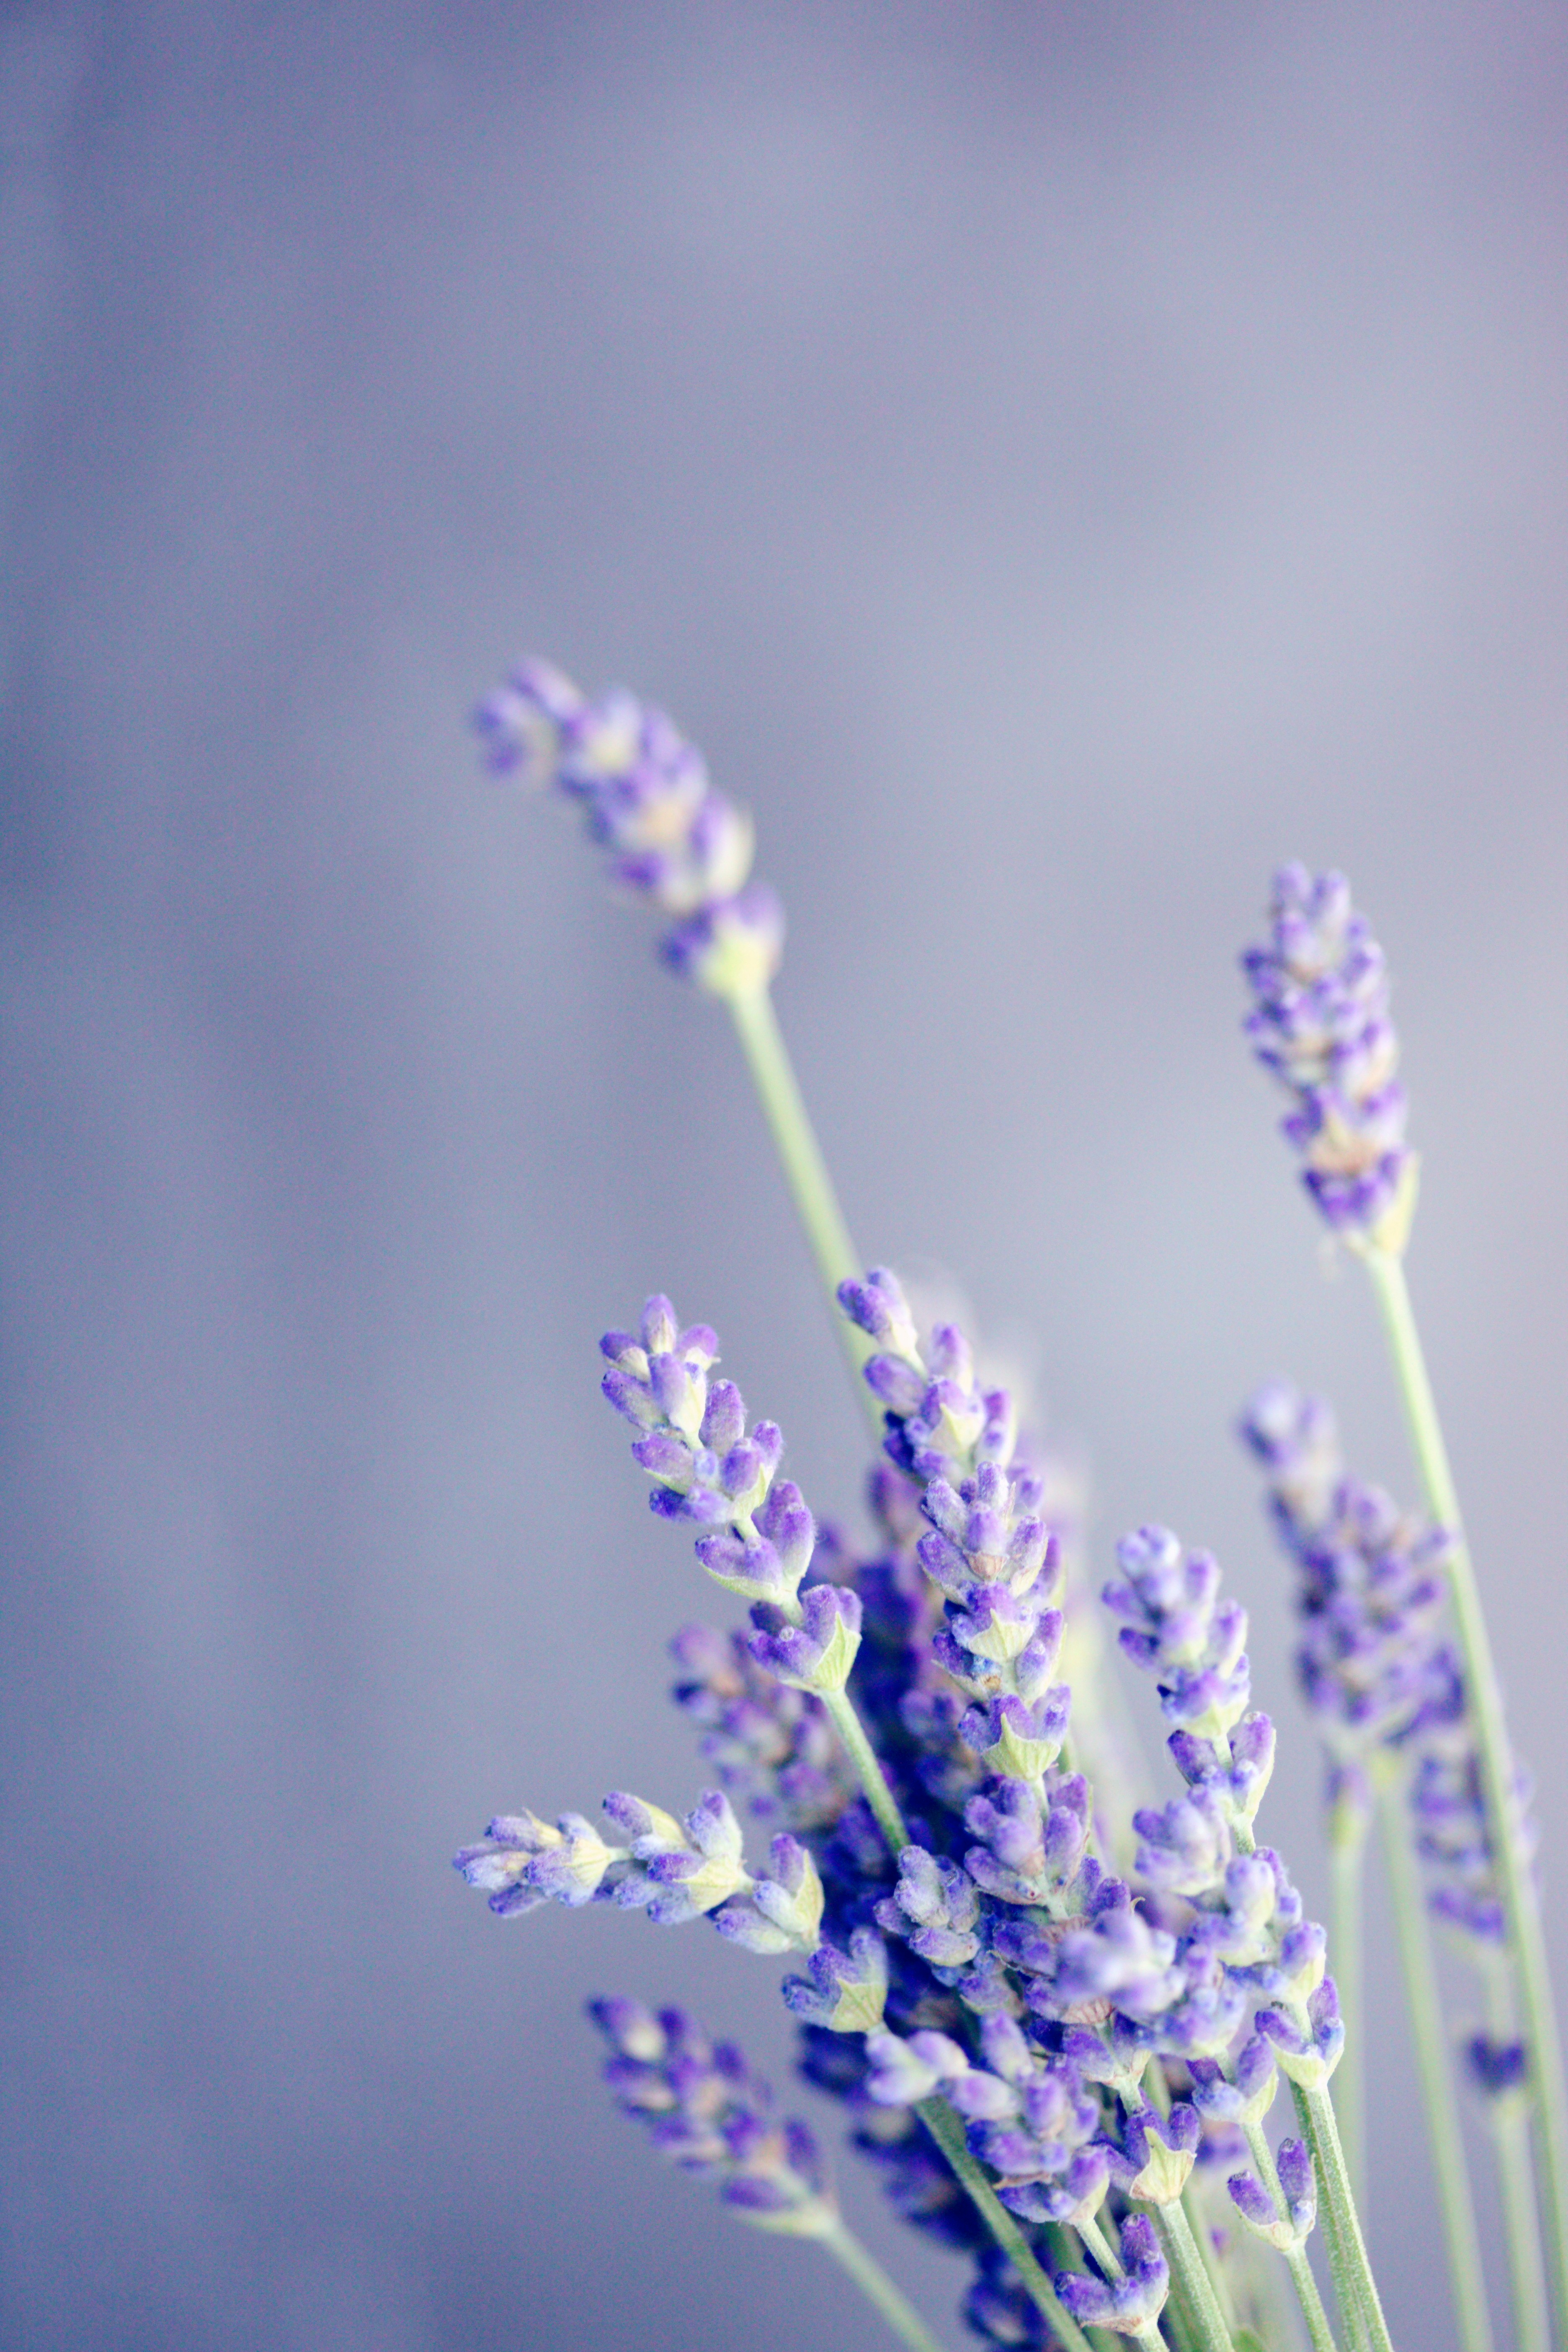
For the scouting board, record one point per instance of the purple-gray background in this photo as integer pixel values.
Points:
(1058, 460)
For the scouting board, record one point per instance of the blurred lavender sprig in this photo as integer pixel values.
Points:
(645, 791)
(1320, 1022)
(707, 2112)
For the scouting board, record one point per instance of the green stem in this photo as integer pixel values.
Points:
(877, 2288)
(1300, 2269)
(1509, 2119)
(1353, 2283)
(948, 2132)
(1347, 1853)
(863, 1756)
(1550, 2116)
(1105, 2254)
(1444, 2129)
(1347, 2294)
(1189, 2274)
(805, 1168)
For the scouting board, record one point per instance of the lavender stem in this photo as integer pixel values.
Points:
(805, 1168)
(1347, 1854)
(1539, 2015)
(1353, 2282)
(948, 2132)
(877, 2288)
(1509, 2117)
(1189, 2274)
(1429, 2035)
(869, 1772)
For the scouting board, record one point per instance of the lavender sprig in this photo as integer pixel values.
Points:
(1320, 992)
(1320, 1022)
(1244, 1935)
(759, 1535)
(678, 843)
(1389, 1697)
(707, 2112)
(675, 1871)
(672, 838)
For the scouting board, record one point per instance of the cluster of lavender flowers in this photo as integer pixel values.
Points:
(1095, 2038)
(1062, 2068)
(645, 794)
(1380, 1676)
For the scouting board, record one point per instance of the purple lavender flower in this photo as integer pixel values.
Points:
(1133, 2304)
(1320, 1022)
(1496, 2064)
(843, 1992)
(772, 1746)
(988, 1546)
(707, 2112)
(1371, 1586)
(646, 795)
(1287, 2229)
(522, 1863)
(1000, 2312)
(708, 1470)
(673, 1870)
(1151, 2155)
(1374, 1669)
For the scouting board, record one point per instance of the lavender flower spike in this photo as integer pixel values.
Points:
(1320, 1022)
(707, 1469)
(645, 791)
(707, 2112)
(673, 1870)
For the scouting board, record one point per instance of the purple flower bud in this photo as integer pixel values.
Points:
(905, 2072)
(1131, 2305)
(815, 1656)
(1497, 2066)
(1253, 2201)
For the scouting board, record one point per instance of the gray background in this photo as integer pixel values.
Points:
(1058, 460)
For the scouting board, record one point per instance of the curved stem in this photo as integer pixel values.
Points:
(1444, 2131)
(1347, 1854)
(879, 2289)
(1517, 1884)
(805, 1168)
(948, 2132)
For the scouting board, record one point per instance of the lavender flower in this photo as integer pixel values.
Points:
(707, 2112)
(707, 1470)
(673, 1870)
(646, 795)
(1377, 1674)
(1131, 2304)
(1287, 2229)
(988, 1547)
(1372, 1583)
(1176, 1627)
(1320, 1022)
(771, 1747)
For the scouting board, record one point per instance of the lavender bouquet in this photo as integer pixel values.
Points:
(1065, 2025)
